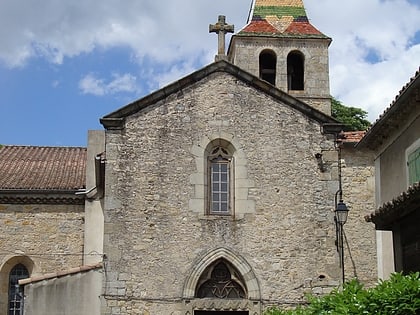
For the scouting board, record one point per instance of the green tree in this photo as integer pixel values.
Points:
(400, 295)
(354, 118)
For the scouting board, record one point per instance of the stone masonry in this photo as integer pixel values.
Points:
(282, 245)
(45, 238)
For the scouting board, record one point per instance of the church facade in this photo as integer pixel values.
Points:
(216, 194)
(219, 192)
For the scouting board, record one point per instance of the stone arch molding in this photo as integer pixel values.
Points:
(6, 266)
(242, 183)
(243, 267)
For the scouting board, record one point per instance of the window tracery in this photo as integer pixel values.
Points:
(221, 282)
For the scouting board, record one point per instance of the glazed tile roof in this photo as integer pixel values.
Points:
(282, 18)
(42, 168)
(394, 210)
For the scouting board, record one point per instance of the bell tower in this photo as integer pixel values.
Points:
(280, 46)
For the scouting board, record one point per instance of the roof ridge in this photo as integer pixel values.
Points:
(41, 146)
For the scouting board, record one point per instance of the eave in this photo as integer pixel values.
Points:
(116, 119)
(398, 113)
(395, 210)
(46, 197)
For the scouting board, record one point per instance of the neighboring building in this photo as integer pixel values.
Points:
(41, 218)
(395, 138)
(215, 194)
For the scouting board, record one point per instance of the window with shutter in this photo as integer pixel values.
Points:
(414, 167)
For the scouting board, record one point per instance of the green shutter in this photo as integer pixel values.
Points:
(414, 167)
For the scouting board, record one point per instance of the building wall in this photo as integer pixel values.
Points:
(45, 238)
(393, 160)
(358, 172)
(282, 244)
(77, 294)
(392, 180)
(245, 52)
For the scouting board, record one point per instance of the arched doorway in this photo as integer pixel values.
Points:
(221, 313)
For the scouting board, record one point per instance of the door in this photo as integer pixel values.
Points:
(221, 313)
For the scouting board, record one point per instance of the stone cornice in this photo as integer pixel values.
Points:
(41, 197)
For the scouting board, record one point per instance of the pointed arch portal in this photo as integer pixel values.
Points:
(237, 263)
(222, 283)
(221, 313)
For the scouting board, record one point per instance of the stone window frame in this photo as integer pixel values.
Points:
(5, 268)
(220, 156)
(241, 186)
(410, 150)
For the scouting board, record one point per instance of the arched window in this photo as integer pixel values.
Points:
(220, 181)
(18, 272)
(221, 281)
(268, 63)
(295, 71)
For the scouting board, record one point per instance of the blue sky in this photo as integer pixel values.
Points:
(65, 64)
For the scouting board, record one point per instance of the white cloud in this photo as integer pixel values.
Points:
(173, 36)
(90, 84)
(359, 30)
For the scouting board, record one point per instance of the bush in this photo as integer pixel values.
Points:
(400, 295)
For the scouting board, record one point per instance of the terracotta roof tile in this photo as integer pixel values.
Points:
(397, 208)
(59, 274)
(352, 136)
(42, 168)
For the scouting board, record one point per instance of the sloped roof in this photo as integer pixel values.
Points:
(279, 18)
(115, 120)
(30, 168)
(59, 274)
(399, 111)
(352, 137)
(396, 209)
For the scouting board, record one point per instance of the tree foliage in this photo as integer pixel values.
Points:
(354, 118)
(400, 295)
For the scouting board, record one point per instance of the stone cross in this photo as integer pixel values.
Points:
(221, 28)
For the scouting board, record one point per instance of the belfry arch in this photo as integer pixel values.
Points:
(268, 65)
(295, 71)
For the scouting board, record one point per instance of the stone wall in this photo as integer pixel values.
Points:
(77, 294)
(44, 238)
(154, 239)
(245, 51)
(359, 195)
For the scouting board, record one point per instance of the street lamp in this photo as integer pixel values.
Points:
(340, 218)
(341, 212)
